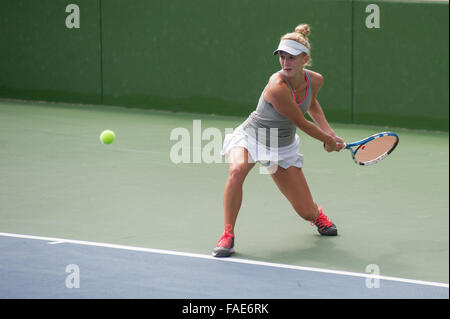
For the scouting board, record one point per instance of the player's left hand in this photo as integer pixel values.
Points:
(339, 141)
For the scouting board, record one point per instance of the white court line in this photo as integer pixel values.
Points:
(56, 242)
(234, 260)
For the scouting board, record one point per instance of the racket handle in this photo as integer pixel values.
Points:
(343, 146)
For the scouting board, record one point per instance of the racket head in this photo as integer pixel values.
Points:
(374, 148)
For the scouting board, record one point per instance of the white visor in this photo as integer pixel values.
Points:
(292, 47)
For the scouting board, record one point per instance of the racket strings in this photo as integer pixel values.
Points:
(375, 149)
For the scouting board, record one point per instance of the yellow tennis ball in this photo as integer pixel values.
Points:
(107, 137)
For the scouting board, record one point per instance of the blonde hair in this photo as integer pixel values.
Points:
(300, 35)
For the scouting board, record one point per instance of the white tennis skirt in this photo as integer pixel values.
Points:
(284, 157)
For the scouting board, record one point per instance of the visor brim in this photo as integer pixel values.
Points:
(289, 50)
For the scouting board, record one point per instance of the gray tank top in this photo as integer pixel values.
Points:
(266, 117)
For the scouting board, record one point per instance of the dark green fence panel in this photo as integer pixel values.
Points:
(42, 59)
(213, 56)
(401, 68)
(216, 56)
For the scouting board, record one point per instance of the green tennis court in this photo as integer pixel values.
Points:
(58, 180)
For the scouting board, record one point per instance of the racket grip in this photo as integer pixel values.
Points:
(343, 146)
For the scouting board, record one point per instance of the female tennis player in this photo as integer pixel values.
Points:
(268, 137)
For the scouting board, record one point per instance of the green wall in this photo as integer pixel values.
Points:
(400, 71)
(216, 56)
(40, 59)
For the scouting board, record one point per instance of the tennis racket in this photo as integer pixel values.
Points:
(374, 148)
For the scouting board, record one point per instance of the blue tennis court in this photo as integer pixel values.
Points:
(40, 267)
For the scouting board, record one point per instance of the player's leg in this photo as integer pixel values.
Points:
(239, 167)
(292, 183)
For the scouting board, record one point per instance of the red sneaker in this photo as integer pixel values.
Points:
(225, 246)
(324, 226)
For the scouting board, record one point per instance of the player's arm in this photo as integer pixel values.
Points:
(279, 96)
(315, 110)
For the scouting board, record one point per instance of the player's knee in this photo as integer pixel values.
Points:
(237, 174)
